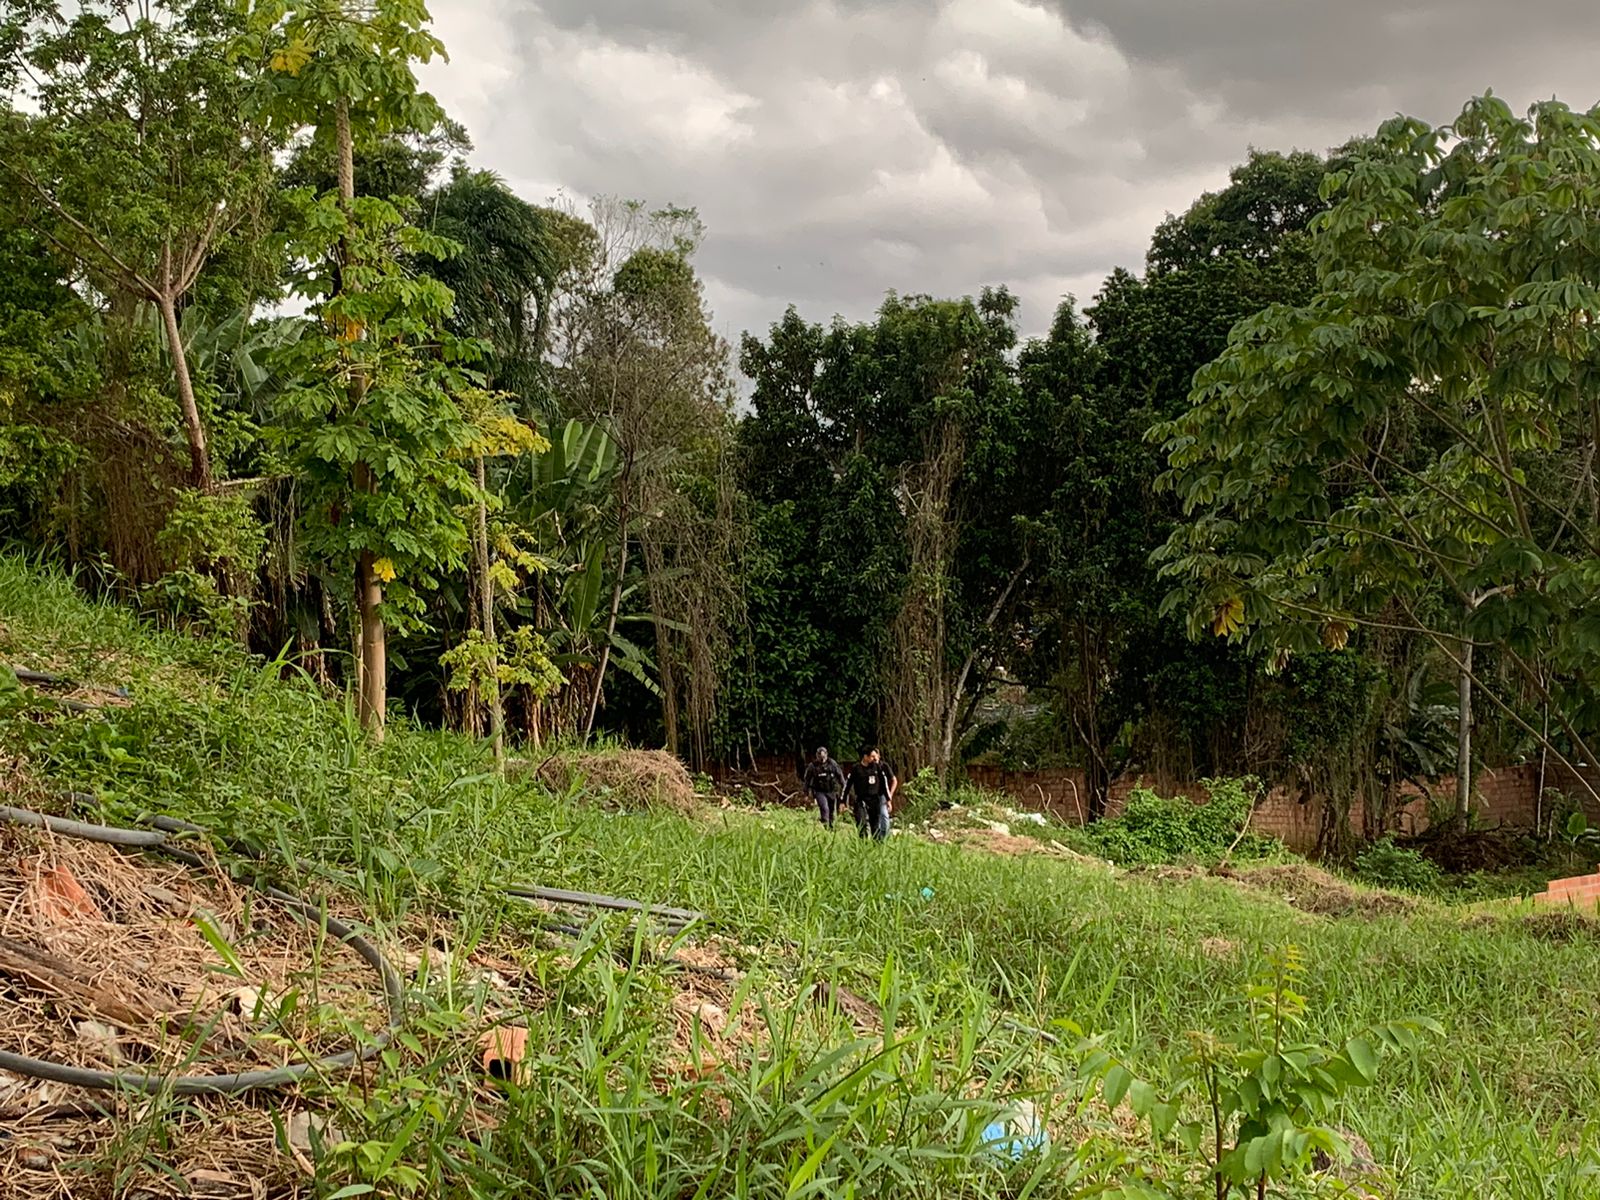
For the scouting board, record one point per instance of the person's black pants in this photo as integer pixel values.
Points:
(827, 806)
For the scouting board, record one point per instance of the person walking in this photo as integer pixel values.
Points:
(871, 788)
(824, 781)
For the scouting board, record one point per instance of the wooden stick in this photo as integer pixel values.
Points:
(67, 981)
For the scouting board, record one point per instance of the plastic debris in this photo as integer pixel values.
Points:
(1018, 1132)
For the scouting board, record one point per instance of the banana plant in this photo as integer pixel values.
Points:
(581, 635)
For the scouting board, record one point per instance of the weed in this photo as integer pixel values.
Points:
(1153, 830)
(1384, 864)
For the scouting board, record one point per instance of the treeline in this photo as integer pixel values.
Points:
(1311, 496)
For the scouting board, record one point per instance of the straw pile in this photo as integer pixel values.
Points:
(629, 779)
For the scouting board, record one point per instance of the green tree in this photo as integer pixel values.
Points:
(1124, 681)
(638, 357)
(1414, 446)
(504, 276)
(384, 375)
(897, 448)
(127, 144)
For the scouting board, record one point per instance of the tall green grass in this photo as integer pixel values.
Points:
(959, 948)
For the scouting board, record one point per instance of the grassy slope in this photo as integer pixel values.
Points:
(1503, 1106)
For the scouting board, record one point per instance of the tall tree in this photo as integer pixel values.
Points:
(345, 72)
(636, 354)
(1415, 446)
(127, 143)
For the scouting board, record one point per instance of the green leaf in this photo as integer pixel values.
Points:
(1141, 1098)
(206, 923)
(1362, 1056)
(1117, 1082)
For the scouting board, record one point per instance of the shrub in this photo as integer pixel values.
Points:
(1385, 864)
(918, 796)
(1153, 829)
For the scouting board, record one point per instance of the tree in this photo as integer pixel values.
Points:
(898, 445)
(1124, 681)
(504, 275)
(636, 354)
(346, 73)
(128, 145)
(1414, 447)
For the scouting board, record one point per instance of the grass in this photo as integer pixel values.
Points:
(418, 834)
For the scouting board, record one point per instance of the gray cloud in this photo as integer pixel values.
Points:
(838, 149)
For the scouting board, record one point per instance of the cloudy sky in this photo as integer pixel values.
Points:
(838, 149)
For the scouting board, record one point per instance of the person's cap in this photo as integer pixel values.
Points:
(822, 752)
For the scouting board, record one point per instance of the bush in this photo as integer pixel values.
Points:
(918, 797)
(1153, 829)
(1384, 864)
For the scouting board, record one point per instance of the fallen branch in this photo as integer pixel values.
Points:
(67, 981)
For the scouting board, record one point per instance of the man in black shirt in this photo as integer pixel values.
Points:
(824, 782)
(871, 789)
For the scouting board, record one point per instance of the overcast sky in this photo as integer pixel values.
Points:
(838, 149)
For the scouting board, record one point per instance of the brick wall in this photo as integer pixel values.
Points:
(1506, 796)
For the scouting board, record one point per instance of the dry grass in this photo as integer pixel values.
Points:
(629, 779)
(228, 1151)
(1314, 891)
(129, 929)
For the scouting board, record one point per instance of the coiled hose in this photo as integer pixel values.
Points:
(191, 1085)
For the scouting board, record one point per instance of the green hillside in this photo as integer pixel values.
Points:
(765, 1072)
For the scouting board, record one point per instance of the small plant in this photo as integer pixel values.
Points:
(704, 785)
(919, 796)
(1384, 864)
(1266, 1096)
(1581, 834)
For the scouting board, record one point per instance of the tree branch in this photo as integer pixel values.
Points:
(129, 276)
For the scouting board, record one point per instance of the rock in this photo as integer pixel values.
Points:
(304, 1124)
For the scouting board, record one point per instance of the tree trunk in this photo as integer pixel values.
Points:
(372, 694)
(372, 700)
(1464, 741)
(954, 712)
(497, 711)
(616, 605)
(1096, 777)
(199, 457)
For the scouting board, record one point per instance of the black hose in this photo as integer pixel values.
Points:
(190, 1085)
(27, 675)
(678, 916)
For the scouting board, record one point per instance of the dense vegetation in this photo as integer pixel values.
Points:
(967, 955)
(1311, 498)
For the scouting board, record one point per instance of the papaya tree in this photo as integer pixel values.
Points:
(375, 425)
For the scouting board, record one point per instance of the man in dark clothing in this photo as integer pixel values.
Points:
(871, 788)
(824, 782)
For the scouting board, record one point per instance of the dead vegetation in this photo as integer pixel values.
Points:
(114, 961)
(226, 1150)
(635, 780)
(1315, 891)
